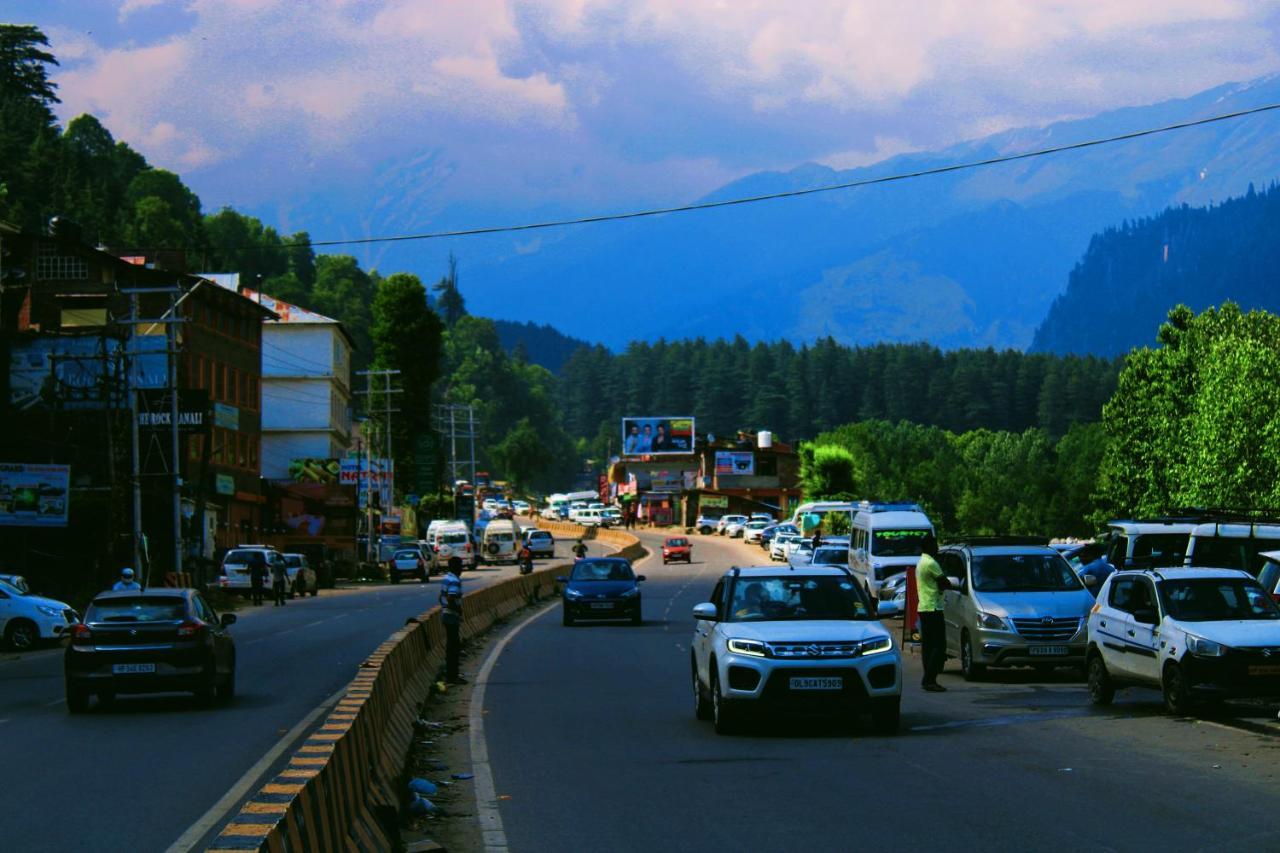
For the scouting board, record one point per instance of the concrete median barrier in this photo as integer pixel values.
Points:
(340, 790)
(627, 544)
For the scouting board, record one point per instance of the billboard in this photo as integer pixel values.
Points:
(310, 470)
(657, 436)
(34, 495)
(731, 463)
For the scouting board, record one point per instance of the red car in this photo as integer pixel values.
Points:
(676, 548)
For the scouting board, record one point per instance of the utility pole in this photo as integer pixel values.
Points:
(135, 454)
(387, 410)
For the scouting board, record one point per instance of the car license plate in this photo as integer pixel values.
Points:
(132, 668)
(1037, 651)
(1265, 669)
(601, 605)
(830, 683)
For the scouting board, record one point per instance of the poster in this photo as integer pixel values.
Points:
(34, 495)
(309, 470)
(657, 436)
(731, 463)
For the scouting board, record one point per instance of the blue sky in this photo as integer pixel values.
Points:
(507, 111)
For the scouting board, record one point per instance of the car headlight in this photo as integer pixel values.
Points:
(876, 646)
(1201, 647)
(754, 648)
(992, 622)
(572, 593)
(631, 593)
(49, 611)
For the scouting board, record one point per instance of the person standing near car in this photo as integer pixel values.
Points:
(451, 618)
(257, 576)
(126, 582)
(279, 580)
(930, 584)
(580, 549)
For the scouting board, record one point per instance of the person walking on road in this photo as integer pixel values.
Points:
(451, 617)
(279, 580)
(126, 582)
(257, 576)
(579, 550)
(930, 584)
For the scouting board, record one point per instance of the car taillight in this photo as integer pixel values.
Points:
(81, 632)
(190, 629)
(223, 580)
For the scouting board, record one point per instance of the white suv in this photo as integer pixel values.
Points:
(1194, 634)
(798, 640)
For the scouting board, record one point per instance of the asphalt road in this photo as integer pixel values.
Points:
(593, 745)
(136, 775)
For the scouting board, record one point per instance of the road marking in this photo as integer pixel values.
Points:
(4, 721)
(55, 702)
(491, 830)
(249, 780)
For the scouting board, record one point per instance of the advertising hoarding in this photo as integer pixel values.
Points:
(732, 463)
(657, 436)
(309, 470)
(34, 495)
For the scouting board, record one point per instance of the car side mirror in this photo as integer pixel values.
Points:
(1144, 616)
(228, 619)
(639, 578)
(1090, 580)
(562, 579)
(706, 612)
(957, 584)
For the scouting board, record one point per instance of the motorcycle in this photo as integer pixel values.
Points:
(526, 562)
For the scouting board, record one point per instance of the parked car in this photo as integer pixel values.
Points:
(736, 528)
(892, 596)
(781, 542)
(601, 588)
(1232, 544)
(677, 549)
(156, 641)
(1150, 543)
(237, 567)
(611, 515)
(540, 542)
(1269, 577)
(804, 639)
(1014, 603)
(409, 562)
(829, 555)
(762, 516)
(302, 578)
(752, 530)
(887, 539)
(707, 524)
(799, 549)
(1198, 635)
(26, 618)
(522, 507)
(726, 520)
(16, 581)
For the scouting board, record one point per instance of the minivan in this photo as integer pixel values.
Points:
(887, 538)
(501, 541)
(1232, 545)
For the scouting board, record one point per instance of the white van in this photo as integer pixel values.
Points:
(886, 539)
(501, 541)
(1232, 545)
(452, 539)
(592, 518)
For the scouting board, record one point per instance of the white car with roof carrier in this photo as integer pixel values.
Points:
(887, 538)
(1198, 635)
(1233, 544)
(792, 640)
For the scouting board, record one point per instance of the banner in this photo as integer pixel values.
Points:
(657, 436)
(309, 470)
(731, 463)
(193, 411)
(34, 495)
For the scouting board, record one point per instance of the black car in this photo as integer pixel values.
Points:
(601, 588)
(152, 641)
(540, 543)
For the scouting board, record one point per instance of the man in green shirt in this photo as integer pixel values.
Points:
(930, 582)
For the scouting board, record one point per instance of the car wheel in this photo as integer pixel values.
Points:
(971, 670)
(315, 589)
(22, 635)
(1177, 697)
(1101, 689)
(226, 690)
(723, 714)
(395, 576)
(635, 618)
(567, 618)
(77, 699)
(701, 707)
(886, 715)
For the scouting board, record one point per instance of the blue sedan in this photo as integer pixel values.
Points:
(601, 588)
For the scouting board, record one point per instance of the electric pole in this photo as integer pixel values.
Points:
(386, 411)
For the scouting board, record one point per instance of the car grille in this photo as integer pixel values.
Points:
(1048, 629)
(816, 650)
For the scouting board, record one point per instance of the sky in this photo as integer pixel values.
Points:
(508, 111)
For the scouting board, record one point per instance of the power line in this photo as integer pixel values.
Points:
(864, 182)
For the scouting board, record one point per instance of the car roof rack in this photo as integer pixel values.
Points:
(1001, 540)
(888, 506)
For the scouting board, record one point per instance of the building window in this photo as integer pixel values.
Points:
(253, 452)
(253, 392)
(242, 446)
(61, 268)
(80, 318)
(220, 374)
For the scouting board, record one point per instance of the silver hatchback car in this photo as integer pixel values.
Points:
(1013, 603)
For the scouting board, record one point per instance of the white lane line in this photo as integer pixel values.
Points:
(491, 830)
(55, 702)
(4, 721)
(297, 628)
(250, 780)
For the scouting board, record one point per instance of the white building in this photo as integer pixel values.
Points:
(306, 387)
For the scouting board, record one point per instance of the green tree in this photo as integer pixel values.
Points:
(826, 472)
(24, 62)
(448, 297)
(522, 455)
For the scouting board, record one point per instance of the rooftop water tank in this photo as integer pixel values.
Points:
(764, 439)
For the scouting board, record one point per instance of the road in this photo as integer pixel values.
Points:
(136, 776)
(618, 762)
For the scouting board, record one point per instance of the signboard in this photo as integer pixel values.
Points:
(733, 463)
(714, 501)
(34, 495)
(310, 470)
(193, 411)
(225, 484)
(426, 460)
(227, 417)
(657, 436)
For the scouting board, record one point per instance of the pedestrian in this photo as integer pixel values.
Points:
(126, 582)
(817, 538)
(451, 617)
(279, 580)
(579, 550)
(930, 584)
(257, 575)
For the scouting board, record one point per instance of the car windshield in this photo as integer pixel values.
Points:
(406, 554)
(601, 570)
(790, 598)
(899, 543)
(677, 543)
(831, 557)
(154, 609)
(501, 537)
(242, 558)
(1023, 573)
(1160, 550)
(1217, 600)
(12, 589)
(453, 538)
(1230, 552)
(539, 534)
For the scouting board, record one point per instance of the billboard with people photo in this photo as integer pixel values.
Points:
(657, 436)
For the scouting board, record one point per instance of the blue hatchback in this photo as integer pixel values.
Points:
(601, 588)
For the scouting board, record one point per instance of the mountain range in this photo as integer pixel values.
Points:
(964, 259)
